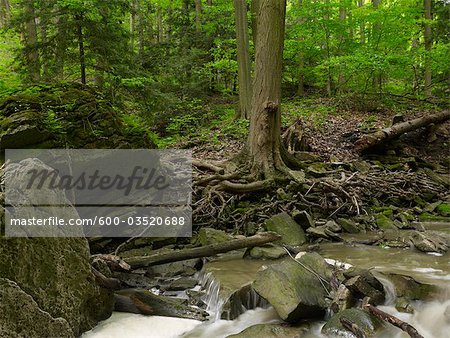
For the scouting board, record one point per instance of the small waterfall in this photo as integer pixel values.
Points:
(389, 288)
(212, 299)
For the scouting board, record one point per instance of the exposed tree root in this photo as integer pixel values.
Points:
(241, 188)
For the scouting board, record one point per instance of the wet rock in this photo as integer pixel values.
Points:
(428, 242)
(410, 289)
(272, 331)
(303, 218)
(348, 225)
(54, 271)
(366, 275)
(182, 283)
(134, 280)
(318, 232)
(361, 288)
(22, 317)
(207, 236)
(187, 267)
(333, 226)
(291, 233)
(342, 299)
(269, 251)
(240, 300)
(367, 323)
(403, 305)
(292, 289)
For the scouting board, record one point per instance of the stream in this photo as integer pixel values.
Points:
(431, 319)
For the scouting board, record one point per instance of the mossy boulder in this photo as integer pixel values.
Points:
(22, 317)
(366, 322)
(290, 231)
(293, 290)
(268, 251)
(55, 272)
(65, 115)
(207, 236)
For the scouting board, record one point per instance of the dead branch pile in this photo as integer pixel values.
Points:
(341, 192)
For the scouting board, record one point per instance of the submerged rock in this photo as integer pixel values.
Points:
(367, 323)
(291, 233)
(269, 251)
(296, 289)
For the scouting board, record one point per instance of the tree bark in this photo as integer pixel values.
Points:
(376, 34)
(198, 15)
(5, 13)
(31, 39)
(301, 59)
(362, 26)
(374, 139)
(79, 22)
(428, 39)
(264, 141)
(204, 251)
(243, 58)
(254, 10)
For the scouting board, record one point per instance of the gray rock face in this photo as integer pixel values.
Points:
(55, 272)
(293, 288)
(428, 242)
(291, 233)
(22, 317)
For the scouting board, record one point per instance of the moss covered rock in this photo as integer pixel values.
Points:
(290, 231)
(367, 323)
(65, 115)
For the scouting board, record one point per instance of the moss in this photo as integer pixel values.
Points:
(443, 209)
(384, 222)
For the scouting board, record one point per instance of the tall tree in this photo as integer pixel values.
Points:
(31, 42)
(428, 39)
(243, 58)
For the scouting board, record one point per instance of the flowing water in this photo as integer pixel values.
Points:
(431, 319)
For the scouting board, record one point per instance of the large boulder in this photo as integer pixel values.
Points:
(22, 317)
(55, 272)
(290, 231)
(272, 331)
(296, 289)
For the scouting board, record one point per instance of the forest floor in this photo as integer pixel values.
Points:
(406, 181)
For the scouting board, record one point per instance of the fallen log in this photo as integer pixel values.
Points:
(144, 302)
(369, 141)
(409, 329)
(106, 282)
(204, 251)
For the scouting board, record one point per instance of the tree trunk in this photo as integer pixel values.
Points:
(5, 13)
(31, 39)
(376, 34)
(362, 26)
(61, 46)
(428, 39)
(342, 38)
(254, 10)
(243, 58)
(79, 20)
(198, 15)
(133, 13)
(264, 141)
(301, 60)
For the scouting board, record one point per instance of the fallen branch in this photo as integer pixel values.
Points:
(146, 303)
(380, 136)
(204, 251)
(105, 282)
(409, 329)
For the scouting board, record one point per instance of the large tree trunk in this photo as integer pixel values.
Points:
(264, 141)
(198, 15)
(427, 34)
(362, 26)
(376, 36)
(243, 56)
(301, 59)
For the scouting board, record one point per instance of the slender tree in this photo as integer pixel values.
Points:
(428, 39)
(243, 58)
